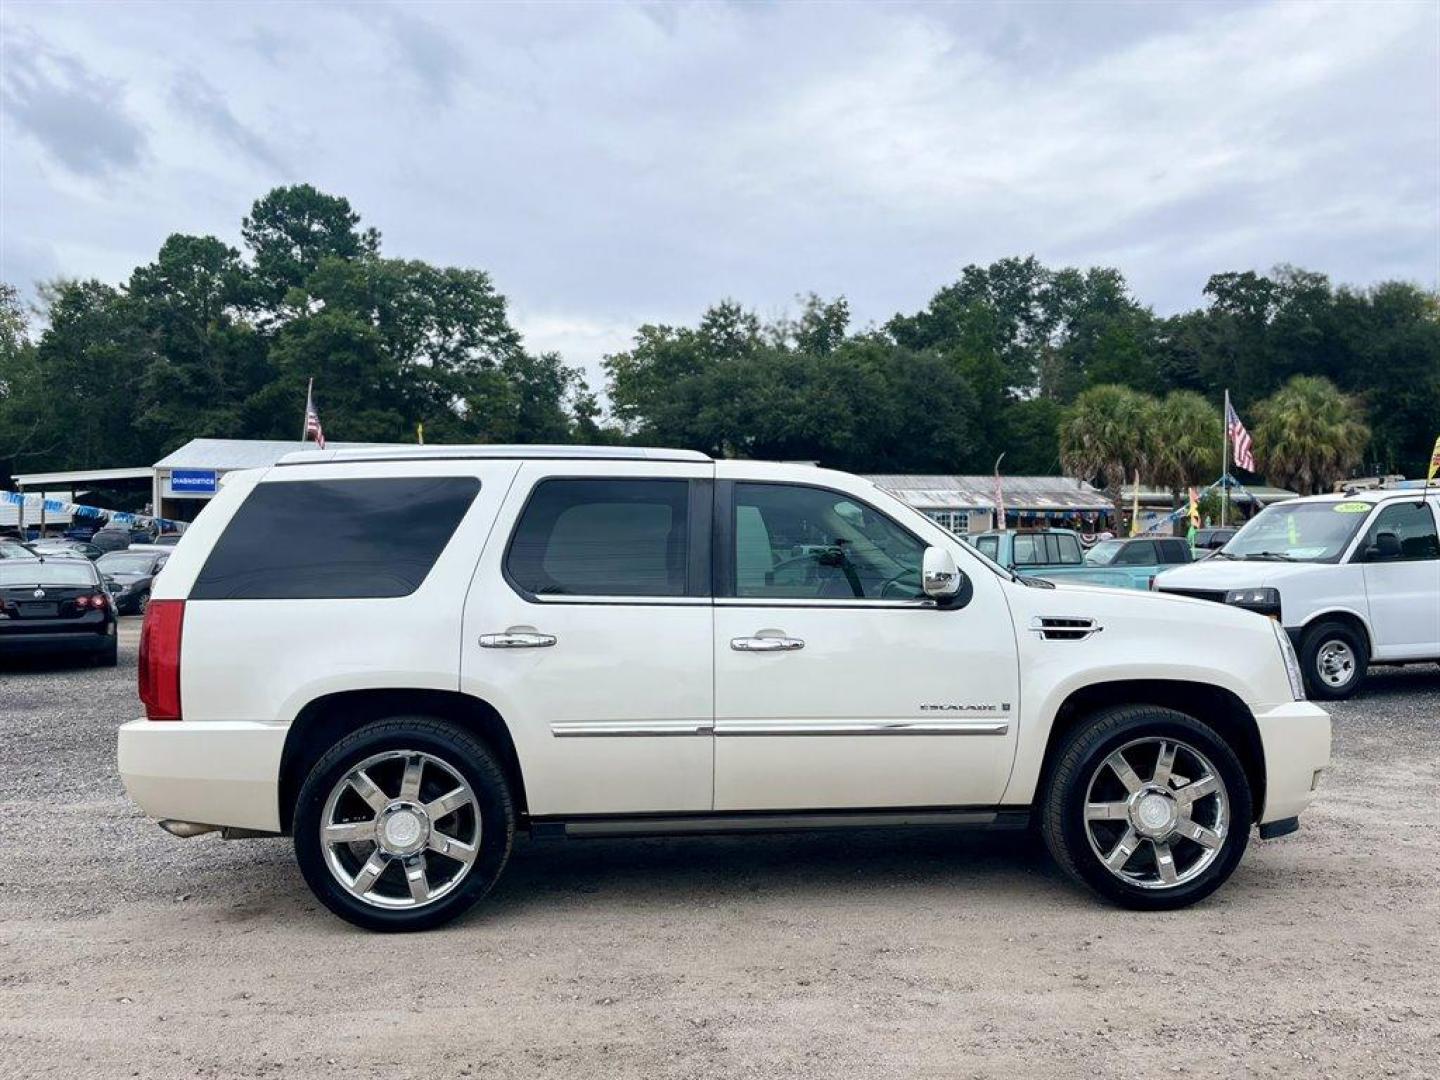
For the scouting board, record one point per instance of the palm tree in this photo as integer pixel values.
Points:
(1106, 435)
(1185, 442)
(1308, 434)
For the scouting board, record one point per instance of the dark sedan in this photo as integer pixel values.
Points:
(55, 606)
(130, 574)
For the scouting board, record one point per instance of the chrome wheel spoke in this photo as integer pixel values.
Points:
(1165, 863)
(1193, 792)
(1122, 851)
(369, 873)
(415, 878)
(349, 832)
(447, 803)
(1164, 765)
(360, 781)
(1193, 830)
(452, 848)
(1107, 811)
(410, 783)
(1121, 768)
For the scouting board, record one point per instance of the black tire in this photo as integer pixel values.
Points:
(141, 603)
(460, 752)
(1321, 640)
(1063, 817)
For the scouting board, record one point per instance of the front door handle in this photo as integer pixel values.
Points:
(766, 644)
(517, 640)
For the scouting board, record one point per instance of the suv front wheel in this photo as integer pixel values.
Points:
(1147, 806)
(404, 824)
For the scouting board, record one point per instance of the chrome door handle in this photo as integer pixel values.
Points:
(516, 641)
(766, 644)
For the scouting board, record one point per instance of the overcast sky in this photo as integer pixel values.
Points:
(613, 164)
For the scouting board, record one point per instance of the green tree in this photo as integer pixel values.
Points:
(1184, 442)
(1107, 435)
(1308, 435)
(291, 230)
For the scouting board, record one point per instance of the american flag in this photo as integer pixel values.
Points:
(1244, 455)
(312, 418)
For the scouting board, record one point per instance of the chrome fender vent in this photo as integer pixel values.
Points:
(1064, 627)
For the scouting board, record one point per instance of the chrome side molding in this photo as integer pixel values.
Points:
(620, 729)
(956, 726)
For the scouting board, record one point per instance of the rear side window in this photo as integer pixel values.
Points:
(989, 545)
(1064, 550)
(335, 539)
(602, 538)
(1138, 553)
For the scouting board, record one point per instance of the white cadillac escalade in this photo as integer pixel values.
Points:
(401, 656)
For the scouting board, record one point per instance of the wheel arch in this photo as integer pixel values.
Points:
(1214, 705)
(327, 719)
(1346, 616)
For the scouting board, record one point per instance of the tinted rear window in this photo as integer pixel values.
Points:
(602, 538)
(335, 539)
(45, 572)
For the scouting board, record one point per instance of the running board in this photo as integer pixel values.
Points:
(771, 821)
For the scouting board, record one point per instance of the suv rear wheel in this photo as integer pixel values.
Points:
(403, 824)
(1147, 806)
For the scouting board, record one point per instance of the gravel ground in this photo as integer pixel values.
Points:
(125, 952)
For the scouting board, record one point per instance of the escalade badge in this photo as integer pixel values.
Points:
(1004, 706)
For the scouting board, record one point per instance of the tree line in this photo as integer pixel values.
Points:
(1060, 369)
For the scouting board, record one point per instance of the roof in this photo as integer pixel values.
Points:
(81, 477)
(337, 452)
(244, 453)
(939, 492)
(1375, 495)
(1238, 493)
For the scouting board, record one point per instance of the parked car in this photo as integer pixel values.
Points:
(1354, 579)
(13, 549)
(65, 547)
(111, 539)
(55, 606)
(1057, 555)
(131, 574)
(1212, 539)
(166, 540)
(610, 641)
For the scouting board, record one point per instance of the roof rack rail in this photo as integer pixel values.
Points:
(493, 451)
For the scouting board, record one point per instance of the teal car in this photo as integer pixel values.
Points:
(1058, 555)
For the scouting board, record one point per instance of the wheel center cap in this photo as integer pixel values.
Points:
(403, 828)
(1154, 813)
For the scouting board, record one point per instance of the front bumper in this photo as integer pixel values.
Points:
(223, 772)
(1296, 740)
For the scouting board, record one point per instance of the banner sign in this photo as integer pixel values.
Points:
(75, 510)
(193, 481)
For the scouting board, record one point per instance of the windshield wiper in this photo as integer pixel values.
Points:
(1279, 555)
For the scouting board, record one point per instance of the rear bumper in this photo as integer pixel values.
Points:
(211, 772)
(89, 640)
(1296, 741)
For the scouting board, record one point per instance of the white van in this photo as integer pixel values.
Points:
(402, 656)
(1354, 579)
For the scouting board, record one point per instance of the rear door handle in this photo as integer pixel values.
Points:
(766, 644)
(511, 640)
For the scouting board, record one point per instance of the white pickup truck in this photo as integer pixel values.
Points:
(401, 656)
(1354, 579)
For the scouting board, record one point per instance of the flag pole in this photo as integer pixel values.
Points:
(305, 420)
(1225, 459)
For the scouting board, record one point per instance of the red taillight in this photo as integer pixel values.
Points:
(160, 659)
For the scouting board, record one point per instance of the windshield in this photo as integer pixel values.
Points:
(1103, 553)
(120, 563)
(39, 572)
(1299, 532)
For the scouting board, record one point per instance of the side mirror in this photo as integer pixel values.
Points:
(1386, 546)
(939, 576)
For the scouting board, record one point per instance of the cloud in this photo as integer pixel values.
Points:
(426, 54)
(200, 102)
(78, 117)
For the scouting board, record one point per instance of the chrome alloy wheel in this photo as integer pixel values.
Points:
(406, 849)
(1335, 663)
(1162, 832)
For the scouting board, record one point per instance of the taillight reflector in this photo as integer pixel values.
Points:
(160, 659)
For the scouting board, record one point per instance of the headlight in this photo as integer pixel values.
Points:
(1292, 663)
(1265, 601)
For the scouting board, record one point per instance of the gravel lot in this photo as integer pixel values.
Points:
(125, 952)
